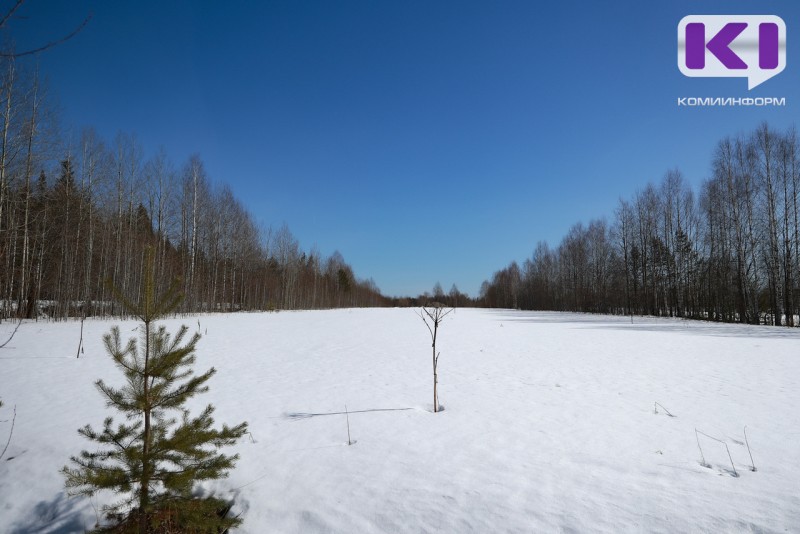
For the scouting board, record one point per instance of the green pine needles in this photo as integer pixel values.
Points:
(153, 459)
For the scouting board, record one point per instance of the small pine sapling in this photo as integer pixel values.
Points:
(153, 459)
(434, 314)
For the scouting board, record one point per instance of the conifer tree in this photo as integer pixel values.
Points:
(153, 459)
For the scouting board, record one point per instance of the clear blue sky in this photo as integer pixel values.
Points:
(425, 140)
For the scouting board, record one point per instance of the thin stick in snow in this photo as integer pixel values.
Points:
(347, 416)
(12, 334)
(655, 408)
(702, 457)
(80, 341)
(10, 433)
(735, 473)
(752, 463)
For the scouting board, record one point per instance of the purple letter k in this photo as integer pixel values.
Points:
(719, 45)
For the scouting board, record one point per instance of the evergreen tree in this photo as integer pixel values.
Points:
(154, 459)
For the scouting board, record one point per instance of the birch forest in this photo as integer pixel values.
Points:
(727, 252)
(78, 215)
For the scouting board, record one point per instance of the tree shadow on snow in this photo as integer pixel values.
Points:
(706, 328)
(545, 317)
(297, 416)
(650, 324)
(60, 515)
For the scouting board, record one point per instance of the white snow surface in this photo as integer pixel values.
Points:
(548, 426)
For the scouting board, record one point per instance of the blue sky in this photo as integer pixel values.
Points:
(426, 141)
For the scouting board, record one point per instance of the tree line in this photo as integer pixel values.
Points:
(454, 298)
(76, 217)
(726, 253)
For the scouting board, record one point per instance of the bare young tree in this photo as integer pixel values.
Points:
(434, 314)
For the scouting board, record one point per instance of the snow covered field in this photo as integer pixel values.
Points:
(548, 423)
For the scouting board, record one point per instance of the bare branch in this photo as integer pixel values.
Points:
(12, 334)
(10, 433)
(49, 45)
(11, 12)
(425, 321)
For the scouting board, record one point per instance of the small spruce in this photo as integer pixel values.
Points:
(153, 459)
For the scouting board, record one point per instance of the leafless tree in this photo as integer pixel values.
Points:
(454, 295)
(432, 315)
(728, 254)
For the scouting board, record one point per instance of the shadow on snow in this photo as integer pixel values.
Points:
(60, 515)
(296, 416)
